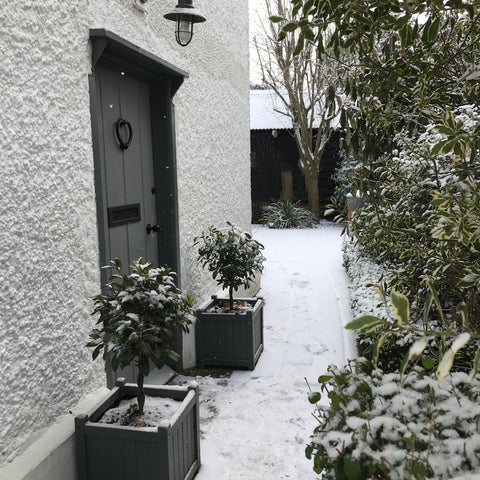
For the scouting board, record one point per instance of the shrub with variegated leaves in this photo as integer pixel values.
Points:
(443, 341)
(420, 213)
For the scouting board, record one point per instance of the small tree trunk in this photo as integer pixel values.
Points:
(311, 184)
(230, 293)
(140, 392)
(286, 193)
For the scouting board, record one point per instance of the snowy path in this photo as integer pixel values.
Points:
(255, 425)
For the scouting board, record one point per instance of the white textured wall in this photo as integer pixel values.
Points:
(214, 175)
(48, 233)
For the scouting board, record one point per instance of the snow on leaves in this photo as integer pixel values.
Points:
(377, 429)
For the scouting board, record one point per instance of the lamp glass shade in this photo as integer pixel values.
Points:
(184, 31)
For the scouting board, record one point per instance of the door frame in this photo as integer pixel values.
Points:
(111, 51)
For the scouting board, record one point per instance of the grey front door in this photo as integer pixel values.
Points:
(135, 165)
(127, 170)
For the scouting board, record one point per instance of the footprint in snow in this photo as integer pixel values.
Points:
(316, 348)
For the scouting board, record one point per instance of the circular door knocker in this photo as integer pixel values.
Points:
(124, 144)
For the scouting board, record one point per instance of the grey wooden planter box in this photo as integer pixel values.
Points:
(113, 452)
(229, 339)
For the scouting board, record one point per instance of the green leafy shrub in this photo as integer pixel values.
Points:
(421, 213)
(286, 214)
(138, 315)
(363, 272)
(232, 256)
(374, 428)
(342, 178)
(448, 342)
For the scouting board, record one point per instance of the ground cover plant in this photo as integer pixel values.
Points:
(287, 214)
(138, 315)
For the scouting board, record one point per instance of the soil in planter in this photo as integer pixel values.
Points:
(157, 410)
(223, 306)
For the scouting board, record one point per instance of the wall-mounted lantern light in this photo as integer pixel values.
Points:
(185, 15)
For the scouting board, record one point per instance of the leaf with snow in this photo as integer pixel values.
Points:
(314, 397)
(364, 322)
(400, 307)
(447, 361)
(474, 75)
(418, 347)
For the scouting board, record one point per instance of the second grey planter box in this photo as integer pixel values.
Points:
(229, 339)
(170, 451)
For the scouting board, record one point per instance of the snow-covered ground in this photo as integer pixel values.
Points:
(255, 425)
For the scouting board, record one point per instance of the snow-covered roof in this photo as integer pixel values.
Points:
(268, 112)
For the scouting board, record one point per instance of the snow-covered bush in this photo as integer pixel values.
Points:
(374, 428)
(387, 332)
(286, 214)
(364, 274)
(342, 178)
(363, 271)
(421, 214)
(138, 316)
(232, 256)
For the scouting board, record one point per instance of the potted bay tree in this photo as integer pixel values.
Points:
(140, 431)
(229, 331)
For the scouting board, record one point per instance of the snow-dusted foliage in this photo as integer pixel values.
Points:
(368, 282)
(421, 212)
(231, 255)
(374, 428)
(286, 214)
(421, 217)
(139, 314)
(343, 187)
(363, 272)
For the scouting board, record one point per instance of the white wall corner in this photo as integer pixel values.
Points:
(52, 456)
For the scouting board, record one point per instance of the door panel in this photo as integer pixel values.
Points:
(127, 174)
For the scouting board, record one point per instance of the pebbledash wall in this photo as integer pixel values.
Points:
(49, 253)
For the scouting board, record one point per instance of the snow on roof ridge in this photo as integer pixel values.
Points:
(268, 112)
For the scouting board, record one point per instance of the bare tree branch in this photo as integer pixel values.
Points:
(300, 83)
